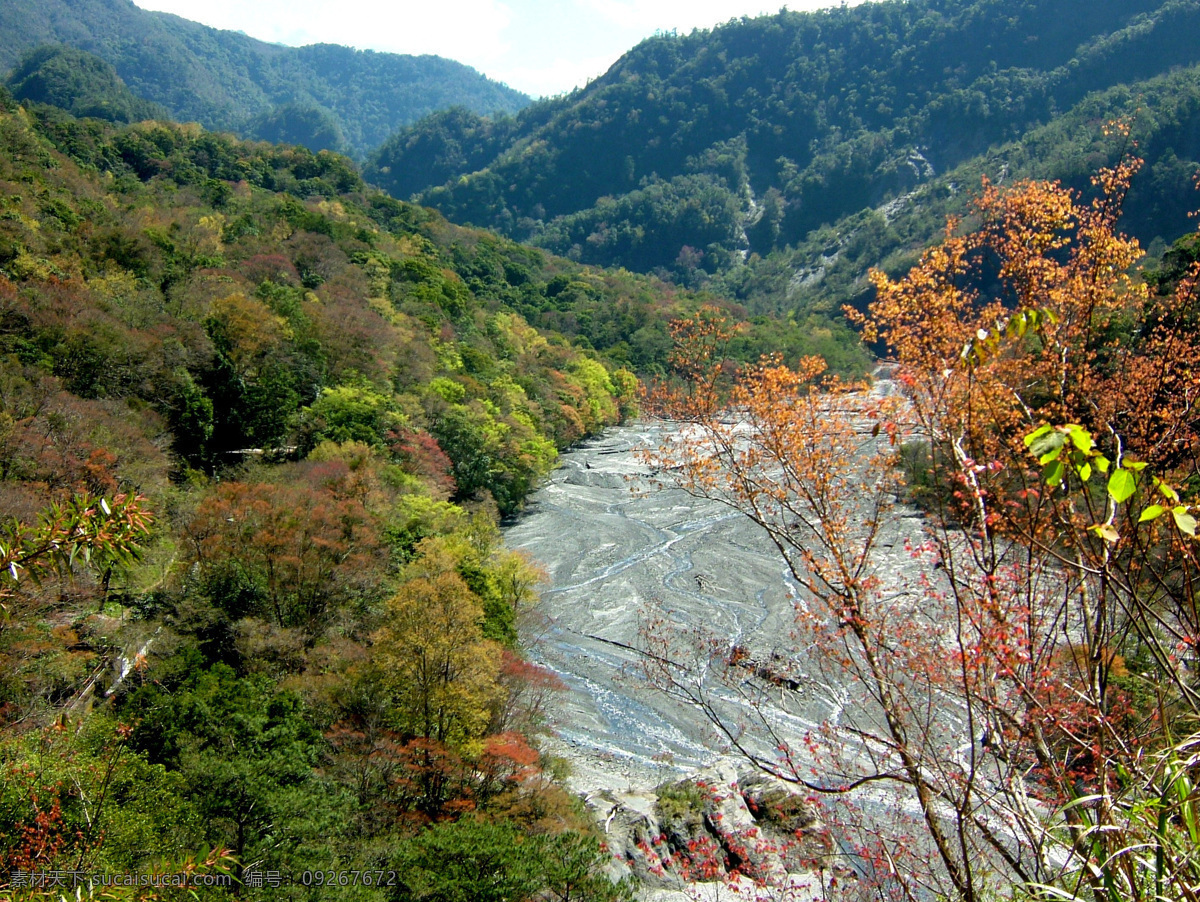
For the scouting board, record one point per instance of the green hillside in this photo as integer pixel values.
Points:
(828, 268)
(226, 80)
(80, 83)
(695, 153)
(258, 422)
(261, 420)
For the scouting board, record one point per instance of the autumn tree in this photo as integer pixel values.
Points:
(433, 655)
(85, 533)
(294, 555)
(83, 528)
(977, 663)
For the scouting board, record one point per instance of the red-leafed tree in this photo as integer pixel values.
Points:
(292, 555)
(421, 455)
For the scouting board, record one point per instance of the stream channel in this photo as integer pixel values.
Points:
(618, 549)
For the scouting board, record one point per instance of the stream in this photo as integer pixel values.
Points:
(619, 549)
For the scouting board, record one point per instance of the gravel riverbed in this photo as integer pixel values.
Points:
(618, 550)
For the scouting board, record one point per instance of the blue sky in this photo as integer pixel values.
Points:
(541, 47)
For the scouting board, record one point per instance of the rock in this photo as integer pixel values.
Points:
(798, 888)
(781, 810)
(716, 829)
(749, 848)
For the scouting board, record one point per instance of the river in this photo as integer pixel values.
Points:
(619, 550)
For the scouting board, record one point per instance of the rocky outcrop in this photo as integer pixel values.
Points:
(715, 831)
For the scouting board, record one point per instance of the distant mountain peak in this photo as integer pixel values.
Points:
(696, 153)
(231, 81)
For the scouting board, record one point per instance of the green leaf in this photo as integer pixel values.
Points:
(1035, 435)
(1048, 447)
(1101, 463)
(1085, 472)
(1185, 521)
(1052, 473)
(1081, 438)
(1106, 531)
(1153, 512)
(1121, 485)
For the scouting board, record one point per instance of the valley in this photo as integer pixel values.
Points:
(770, 470)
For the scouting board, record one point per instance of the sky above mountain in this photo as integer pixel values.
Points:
(541, 47)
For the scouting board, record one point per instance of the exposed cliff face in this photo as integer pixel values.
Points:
(718, 829)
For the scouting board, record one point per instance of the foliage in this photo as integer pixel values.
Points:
(76, 797)
(291, 354)
(309, 127)
(352, 413)
(482, 861)
(325, 404)
(244, 753)
(85, 527)
(79, 82)
(433, 654)
(284, 553)
(1051, 396)
(793, 141)
(319, 96)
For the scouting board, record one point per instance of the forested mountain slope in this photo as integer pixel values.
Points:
(226, 80)
(828, 268)
(694, 152)
(257, 424)
(80, 83)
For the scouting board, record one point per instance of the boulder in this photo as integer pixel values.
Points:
(716, 829)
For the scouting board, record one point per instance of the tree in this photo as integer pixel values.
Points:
(432, 653)
(480, 862)
(244, 752)
(102, 534)
(75, 797)
(993, 692)
(292, 555)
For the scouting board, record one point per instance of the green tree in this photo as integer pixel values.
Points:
(246, 754)
(477, 861)
(354, 412)
(469, 861)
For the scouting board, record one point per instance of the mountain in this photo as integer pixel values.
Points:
(226, 80)
(80, 83)
(255, 434)
(827, 268)
(695, 153)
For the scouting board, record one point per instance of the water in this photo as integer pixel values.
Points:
(623, 553)
(620, 550)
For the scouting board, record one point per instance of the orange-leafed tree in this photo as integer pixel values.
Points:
(1048, 399)
(85, 528)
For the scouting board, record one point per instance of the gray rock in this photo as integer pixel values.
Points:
(716, 829)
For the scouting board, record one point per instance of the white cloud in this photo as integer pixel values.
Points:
(646, 16)
(556, 76)
(541, 47)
